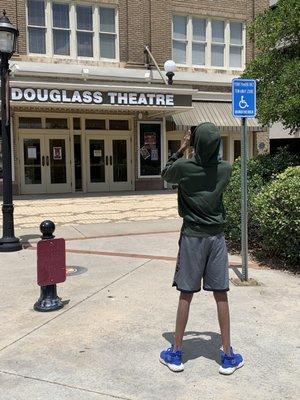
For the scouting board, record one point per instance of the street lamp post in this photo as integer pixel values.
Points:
(170, 68)
(8, 38)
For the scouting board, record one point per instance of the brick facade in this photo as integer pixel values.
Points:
(140, 23)
(149, 22)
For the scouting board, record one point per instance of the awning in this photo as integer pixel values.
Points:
(218, 113)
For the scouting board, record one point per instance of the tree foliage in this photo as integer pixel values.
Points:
(276, 34)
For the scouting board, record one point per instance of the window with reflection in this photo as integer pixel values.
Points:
(208, 42)
(52, 25)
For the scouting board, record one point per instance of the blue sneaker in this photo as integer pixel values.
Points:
(172, 359)
(230, 363)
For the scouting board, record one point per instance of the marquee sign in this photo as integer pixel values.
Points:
(98, 97)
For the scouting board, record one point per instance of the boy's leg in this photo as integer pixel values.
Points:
(182, 318)
(224, 319)
(230, 361)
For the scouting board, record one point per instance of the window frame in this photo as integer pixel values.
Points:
(199, 41)
(49, 42)
(36, 26)
(116, 33)
(84, 30)
(224, 44)
(240, 46)
(186, 41)
(209, 42)
(52, 28)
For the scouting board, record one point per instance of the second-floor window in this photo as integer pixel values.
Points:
(207, 42)
(63, 28)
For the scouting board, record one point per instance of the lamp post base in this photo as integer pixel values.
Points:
(48, 301)
(10, 244)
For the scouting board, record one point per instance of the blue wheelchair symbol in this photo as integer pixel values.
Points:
(243, 104)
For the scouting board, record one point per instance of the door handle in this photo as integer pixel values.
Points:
(43, 161)
(110, 159)
(47, 161)
(106, 160)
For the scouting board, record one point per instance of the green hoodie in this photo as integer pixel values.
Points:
(202, 180)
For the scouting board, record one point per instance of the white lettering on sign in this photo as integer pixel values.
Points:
(122, 98)
(76, 98)
(142, 99)
(112, 96)
(160, 100)
(97, 97)
(42, 95)
(16, 94)
(169, 100)
(87, 97)
(150, 98)
(29, 94)
(91, 97)
(65, 97)
(55, 96)
(132, 98)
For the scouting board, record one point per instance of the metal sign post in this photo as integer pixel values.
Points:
(244, 106)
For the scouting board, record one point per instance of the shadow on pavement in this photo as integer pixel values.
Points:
(25, 239)
(198, 344)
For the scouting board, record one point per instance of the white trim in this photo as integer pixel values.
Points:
(165, 147)
(138, 149)
(96, 22)
(52, 70)
(73, 39)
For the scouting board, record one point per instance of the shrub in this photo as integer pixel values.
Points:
(261, 169)
(232, 203)
(277, 213)
(269, 165)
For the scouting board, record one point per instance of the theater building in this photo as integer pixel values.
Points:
(91, 113)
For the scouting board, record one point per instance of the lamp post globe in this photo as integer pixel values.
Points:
(170, 67)
(8, 39)
(8, 35)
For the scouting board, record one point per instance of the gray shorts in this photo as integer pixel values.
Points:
(202, 258)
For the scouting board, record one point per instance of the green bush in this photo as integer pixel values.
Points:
(261, 169)
(277, 214)
(232, 203)
(269, 165)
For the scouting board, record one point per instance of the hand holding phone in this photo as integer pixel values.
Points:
(185, 141)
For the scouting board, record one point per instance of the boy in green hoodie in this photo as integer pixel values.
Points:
(202, 254)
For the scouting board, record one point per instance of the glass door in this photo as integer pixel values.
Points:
(32, 164)
(97, 165)
(58, 178)
(120, 163)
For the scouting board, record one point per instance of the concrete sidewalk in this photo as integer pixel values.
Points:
(105, 343)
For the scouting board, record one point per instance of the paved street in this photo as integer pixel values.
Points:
(105, 343)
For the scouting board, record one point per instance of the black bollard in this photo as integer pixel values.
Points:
(49, 300)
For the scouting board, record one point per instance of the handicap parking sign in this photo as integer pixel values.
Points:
(244, 98)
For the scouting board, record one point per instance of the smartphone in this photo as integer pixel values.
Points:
(192, 140)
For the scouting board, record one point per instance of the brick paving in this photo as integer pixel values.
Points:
(101, 208)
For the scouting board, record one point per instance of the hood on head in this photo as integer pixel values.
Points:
(207, 143)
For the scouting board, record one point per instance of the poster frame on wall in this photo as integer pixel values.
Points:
(140, 176)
